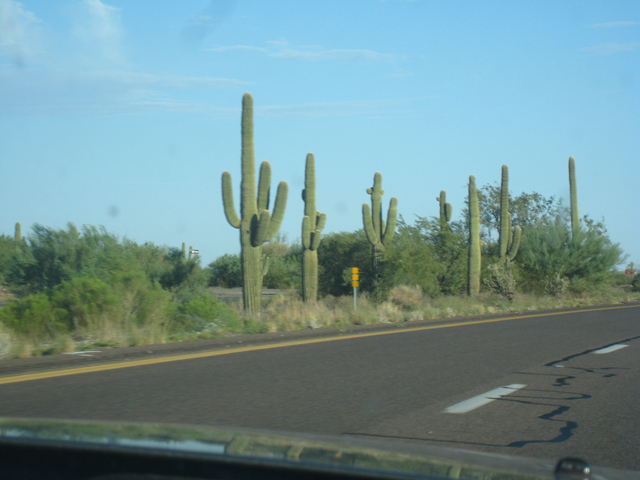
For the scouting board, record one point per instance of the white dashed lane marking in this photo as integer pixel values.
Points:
(84, 353)
(480, 400)
(610, 349)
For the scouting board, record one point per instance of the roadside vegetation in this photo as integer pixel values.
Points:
(71, 289)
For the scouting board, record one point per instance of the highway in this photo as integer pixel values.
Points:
(541, 386)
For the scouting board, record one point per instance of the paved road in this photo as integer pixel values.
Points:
(563, 397)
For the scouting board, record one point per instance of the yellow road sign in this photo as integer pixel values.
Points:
(355, 284)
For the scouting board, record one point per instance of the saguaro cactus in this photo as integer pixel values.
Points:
(575, 217)
(256, 224)
(446, 210)
(504, 212)
(473, 285)
(509, 238)
(374, 225)
(312, 225)
(18, 233)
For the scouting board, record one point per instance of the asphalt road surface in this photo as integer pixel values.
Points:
(537, 386)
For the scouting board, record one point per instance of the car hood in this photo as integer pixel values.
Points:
(302, 449)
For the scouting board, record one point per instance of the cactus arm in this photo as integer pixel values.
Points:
(448, 212)
(260, 228)
(306, 232)
(368, 224)
(265, 265)
(278, 209)
(264, 185)
(321, 219)
(573, 187)
(392, 217)
(513, 250)
(227, 200)
(510, 242)
(317, 236)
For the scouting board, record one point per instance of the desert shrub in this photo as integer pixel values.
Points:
(405, 297)
(6, 342)
(205, 313)
(88, 307)
(226, 271)
(33, 316)
(285, 264)
(588, 258)
(429, 254)
(501, 280)
(555, 285)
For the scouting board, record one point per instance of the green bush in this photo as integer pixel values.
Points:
(87, 306)
(34, 317)
(587, 259)
(205, 313)
(340, 251)
(226, 271)
(429, 255)
(83, 303)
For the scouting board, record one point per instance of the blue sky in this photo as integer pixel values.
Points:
(125, 114)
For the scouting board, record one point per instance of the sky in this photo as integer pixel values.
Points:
(125, 114)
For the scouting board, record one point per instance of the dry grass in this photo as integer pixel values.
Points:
(288, 313)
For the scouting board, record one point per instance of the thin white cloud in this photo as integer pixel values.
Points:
(238, 47)
(614, 24)
(100, 26)
(27, 93)
(20, 35)
(612, 48)
(280, 49)
(368, 108)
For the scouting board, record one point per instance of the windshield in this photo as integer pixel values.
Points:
(406, 221)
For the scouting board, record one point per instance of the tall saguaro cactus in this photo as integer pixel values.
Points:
(312, 224)
(374, 226)
(575, 217)
(473, 285)
(509, 239)
(18, 233)
(446, 210)
(256, 224)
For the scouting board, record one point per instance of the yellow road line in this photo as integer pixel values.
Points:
(191, 356)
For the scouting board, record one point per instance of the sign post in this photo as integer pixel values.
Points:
(355, 282)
